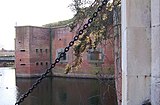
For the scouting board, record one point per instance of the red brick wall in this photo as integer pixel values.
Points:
(22, 50)
(30, 38)
(36, 40)
(61, 39)
(39, 49)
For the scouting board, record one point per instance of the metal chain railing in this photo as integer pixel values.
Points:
(57, 60)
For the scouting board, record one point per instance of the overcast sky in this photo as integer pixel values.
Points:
(29, 12)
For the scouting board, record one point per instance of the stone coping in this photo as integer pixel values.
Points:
(69, 75)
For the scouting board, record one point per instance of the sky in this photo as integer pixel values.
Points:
(29, 12)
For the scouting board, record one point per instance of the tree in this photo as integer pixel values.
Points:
(101, 29)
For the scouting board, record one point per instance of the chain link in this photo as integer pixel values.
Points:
(57, 60)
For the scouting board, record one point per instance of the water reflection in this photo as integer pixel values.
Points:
(56, 91)
(61, 91)
(8, 90)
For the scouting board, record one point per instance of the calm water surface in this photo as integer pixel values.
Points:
(56, 91)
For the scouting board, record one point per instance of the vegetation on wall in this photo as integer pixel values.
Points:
(100, 30)
(60, 23)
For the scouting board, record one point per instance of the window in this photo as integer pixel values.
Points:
(46, 63)
(41, 50)
(36, 50)
(22, 64)
(41, 63)
(95, 55)
(22, 50)
(64, 58)
(46, 50)
(37, 63)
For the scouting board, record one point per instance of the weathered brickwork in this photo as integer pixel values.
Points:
(36, 47)
(32, 49)
(62, 36)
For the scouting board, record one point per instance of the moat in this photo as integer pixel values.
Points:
(56, 91)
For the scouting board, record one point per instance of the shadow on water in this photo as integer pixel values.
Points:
(65, 91)
(56, 91)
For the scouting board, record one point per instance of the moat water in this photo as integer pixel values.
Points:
(56, 91)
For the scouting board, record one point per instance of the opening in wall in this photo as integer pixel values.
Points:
(95, 55)
(36, 50)
(46, 63)
(22, 64)
(22, 50)
(41, 50)
(46, 50)
(37, 63)
(64, 58)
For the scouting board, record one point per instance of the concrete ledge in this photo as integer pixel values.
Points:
(82, 76)
(70, 75)
(28, 75)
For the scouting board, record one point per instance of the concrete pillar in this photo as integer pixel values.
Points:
(155, 79)
(136, 51)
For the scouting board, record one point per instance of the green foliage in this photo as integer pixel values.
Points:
(59, 23)
(100, 30)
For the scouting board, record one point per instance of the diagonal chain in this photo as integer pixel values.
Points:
(57, 60)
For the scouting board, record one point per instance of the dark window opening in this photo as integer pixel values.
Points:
(46, 50)
(46, 63)
(64, 57)
(23, 64)
(95, 55)
(41, 50)
(20, 59)
(37, 63)
(22, 50)
(41, 63)
(36, 50)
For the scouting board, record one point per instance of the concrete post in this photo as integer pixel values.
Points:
(136, 51)
(155, 79)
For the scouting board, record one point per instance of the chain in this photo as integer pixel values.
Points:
(57, 60)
